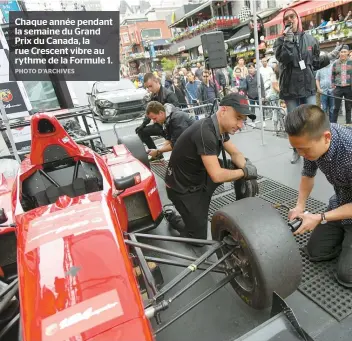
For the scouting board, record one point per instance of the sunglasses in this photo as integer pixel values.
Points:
(205, 76)
(290, 16)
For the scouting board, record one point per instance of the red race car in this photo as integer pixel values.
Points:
(82, 273)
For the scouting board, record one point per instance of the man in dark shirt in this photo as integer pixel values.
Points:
(162, 95)
(327, 147)
(207, 91)
(174, 122)
(194, 170)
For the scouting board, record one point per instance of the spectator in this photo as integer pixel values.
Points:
(323, 23)
(252, 87)
(192, 88)
(181, 95)
(244, 70)
(222, 79)
(267, 72)
(330, 22)
(298, 54)
(273, 95)
(341, 83)
(207, 91)
(199, 72)
(323, 80)
(239, 83)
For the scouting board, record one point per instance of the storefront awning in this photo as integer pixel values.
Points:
(241, 34)
(195, 11)
(306, 8)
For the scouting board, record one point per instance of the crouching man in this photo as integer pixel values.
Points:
(327, 147)
(173, 122)
(194, 170)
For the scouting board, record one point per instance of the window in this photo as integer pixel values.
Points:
(272, 30)
(42, 95)
(271, 4)
(151, 33)
(125, 38)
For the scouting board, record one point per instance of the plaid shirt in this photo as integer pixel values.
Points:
(336, 166)
(341, 73)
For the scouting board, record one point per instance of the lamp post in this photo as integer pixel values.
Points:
(256, 44)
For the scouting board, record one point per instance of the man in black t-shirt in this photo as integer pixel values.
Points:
(194, 170)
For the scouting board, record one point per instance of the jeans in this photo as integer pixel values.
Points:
(345, 92)
(328, 104)
(292, 104)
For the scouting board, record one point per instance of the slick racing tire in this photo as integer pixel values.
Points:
(136, 147)
(267, 256)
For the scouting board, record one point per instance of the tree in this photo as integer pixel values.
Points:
(167, 64)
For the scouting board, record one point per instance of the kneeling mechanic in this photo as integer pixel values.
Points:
(173, 121)
(327, 147)
(194, 169)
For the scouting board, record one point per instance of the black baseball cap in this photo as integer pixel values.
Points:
(239, 103)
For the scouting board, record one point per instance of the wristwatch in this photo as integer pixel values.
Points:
(323, 219)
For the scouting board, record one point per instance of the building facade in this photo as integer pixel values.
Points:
(188, 24)
(144, 44)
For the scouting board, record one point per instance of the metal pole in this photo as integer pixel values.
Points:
(8, 130)
(256, 44)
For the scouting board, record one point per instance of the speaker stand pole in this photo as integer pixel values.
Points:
(256, 44)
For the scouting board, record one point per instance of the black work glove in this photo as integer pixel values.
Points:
(139, 129)
(246, 189)
(250, 171)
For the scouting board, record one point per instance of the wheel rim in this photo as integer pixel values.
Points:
(245, 280)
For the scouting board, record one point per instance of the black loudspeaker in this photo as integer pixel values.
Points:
(214, 49)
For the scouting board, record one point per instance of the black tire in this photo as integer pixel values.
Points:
(136, 147)
(267, 247)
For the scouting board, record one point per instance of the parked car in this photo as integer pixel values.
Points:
(117, 101)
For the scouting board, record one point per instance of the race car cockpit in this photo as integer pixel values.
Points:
(59, 164)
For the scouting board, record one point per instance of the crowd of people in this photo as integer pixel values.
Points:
(195, 170)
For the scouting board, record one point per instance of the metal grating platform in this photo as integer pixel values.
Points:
(324, 290)
(159, 168)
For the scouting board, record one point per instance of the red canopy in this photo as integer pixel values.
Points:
(306, 8)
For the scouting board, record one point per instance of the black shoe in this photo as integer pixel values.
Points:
(295, 157)
(175, 221)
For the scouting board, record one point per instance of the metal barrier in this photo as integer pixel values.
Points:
(273, 113)
(203, 110)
